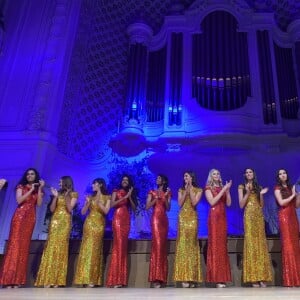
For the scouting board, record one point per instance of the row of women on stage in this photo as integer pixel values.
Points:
(52, 272)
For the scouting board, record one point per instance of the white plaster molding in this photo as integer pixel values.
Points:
(294, 30)
(282, 39)
(139, 33)
(246, 18)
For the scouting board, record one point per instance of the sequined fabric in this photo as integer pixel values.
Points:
(54, 263)
(187, 255)
(289, 234)
(14, 265)
(118, 269)
(256, 258)
(158, 268)
(90, 259)
(217, 266)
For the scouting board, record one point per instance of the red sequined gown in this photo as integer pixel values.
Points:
(289, 234)
(118, 269)
(158, 268)
(217, 265)
(14, 266)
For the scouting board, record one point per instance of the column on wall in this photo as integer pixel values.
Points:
(266, 77)
(297, 69)
(294, 33)
(175, 84)
(297, 61)
(130, 139)
(288, 94)
(140, 35)
(155, 100)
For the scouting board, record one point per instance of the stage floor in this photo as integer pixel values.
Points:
(269, 293)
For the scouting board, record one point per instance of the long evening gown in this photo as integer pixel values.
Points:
(187, 255)
(217, 266)
(118, 269)
(14, 265)
(256, 260)
(289, 234)
(54, 263)
(158, 268)
(90, 259)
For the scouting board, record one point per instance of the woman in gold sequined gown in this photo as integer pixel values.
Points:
(54, 263)
(89, 269)
(257, 268)
(187, 268)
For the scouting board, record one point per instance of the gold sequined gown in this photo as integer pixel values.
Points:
(187, 255)
(90, 260)
(54, 263)
(256, 258)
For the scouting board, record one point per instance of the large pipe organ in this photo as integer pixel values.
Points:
(218, 68)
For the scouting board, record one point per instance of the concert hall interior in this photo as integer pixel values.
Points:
(92, 88)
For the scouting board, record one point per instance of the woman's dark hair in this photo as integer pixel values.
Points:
(102, 184)
(278, 181)
(194, 180)
(256, 187)
(66, 184)
(165, 181)
(24, 181)
(130, 185)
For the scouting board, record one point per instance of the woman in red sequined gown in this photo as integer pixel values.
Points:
(289, 229)
(29, 193)
(218, 196)
(160, 201)
(121, 199)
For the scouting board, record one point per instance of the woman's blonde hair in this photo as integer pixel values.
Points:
(210, 181)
